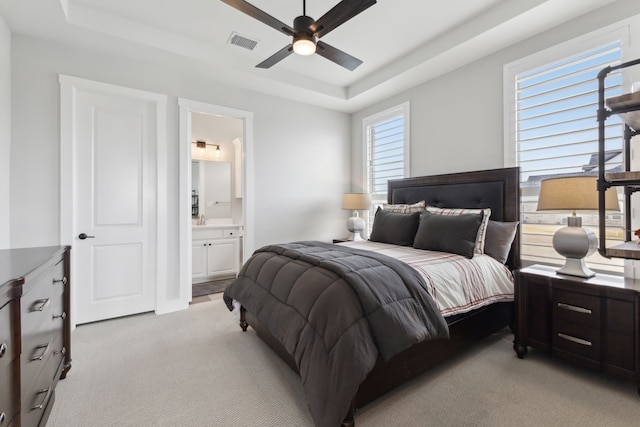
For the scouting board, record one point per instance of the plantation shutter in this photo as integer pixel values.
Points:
(556, 135)
(387, 155)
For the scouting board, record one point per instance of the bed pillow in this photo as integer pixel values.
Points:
(416, 207)
(482, 231)
(448, 233)
(395, 228)
(498, 240)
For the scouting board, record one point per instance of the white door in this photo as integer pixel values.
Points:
(115, 186)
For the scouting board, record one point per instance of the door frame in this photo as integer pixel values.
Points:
(69, 85)
(186, 108)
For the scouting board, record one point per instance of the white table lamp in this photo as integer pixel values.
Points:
(356, 202)
(574, 242)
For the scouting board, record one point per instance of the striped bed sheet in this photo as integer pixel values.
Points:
(457, 284)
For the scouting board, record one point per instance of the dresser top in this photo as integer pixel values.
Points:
(18, 263)
(599, 279)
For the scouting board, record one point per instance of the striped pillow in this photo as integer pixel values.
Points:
(406, 209)
(482, 231)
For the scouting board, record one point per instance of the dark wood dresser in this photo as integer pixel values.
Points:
(593, 322)
(35, 332)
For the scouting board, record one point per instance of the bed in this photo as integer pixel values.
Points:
(417, 340)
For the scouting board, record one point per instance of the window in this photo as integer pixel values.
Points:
(555, 133)
(386, 141)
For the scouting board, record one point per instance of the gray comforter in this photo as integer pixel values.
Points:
(335, 309)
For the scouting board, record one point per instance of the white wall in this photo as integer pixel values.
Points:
(457, 118)
(5, 132)
(301, 153)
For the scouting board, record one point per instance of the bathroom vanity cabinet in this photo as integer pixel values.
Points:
(215, 252)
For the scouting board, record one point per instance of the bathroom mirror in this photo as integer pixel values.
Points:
(211, 189)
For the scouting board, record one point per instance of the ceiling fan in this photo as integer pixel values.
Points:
(306, 31)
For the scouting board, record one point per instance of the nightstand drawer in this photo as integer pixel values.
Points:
(576, 308)
(577, 339)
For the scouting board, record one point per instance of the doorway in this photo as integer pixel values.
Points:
(224, 149)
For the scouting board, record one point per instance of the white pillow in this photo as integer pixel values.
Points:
(482, 231)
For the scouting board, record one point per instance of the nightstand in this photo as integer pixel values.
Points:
(593, 322)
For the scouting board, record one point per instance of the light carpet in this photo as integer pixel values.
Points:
(196, 368)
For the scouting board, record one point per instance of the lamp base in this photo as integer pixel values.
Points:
(355, 225)
(575, 267)
(575, 243)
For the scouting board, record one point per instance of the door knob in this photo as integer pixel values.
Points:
(83, 236)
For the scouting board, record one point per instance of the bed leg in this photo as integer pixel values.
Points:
(243, 321)
(349, 418)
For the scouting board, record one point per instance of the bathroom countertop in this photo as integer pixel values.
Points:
(217, 225)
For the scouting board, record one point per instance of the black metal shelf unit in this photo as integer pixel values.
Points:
(628, 107)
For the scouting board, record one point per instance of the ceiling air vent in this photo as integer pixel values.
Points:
(245, 42)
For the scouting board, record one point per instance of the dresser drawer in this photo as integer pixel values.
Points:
(8, 399)
(36, 304)
(576, 308)
(7, 344)
(37, 327)
(577, 339)
(8, 364)
(36, 399)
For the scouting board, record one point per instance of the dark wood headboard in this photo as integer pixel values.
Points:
(498, 189)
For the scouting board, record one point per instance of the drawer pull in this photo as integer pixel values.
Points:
(40, 304)
(60, 316)
(44, 348)
(63, 281)
(574, 308)
(44, 391)
(3, 417)
(574, 339)
(3, 349)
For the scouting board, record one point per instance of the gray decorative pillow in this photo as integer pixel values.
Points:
(482, 231)
(498, 240)
(448, 233)
(394, 228)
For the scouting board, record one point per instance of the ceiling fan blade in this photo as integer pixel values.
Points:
(276, 57)
(338, 15)
(261, 16)
(336, 55)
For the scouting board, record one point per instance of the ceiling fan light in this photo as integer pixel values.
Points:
(304, 45)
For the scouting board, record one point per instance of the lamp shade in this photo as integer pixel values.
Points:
(574, 193)
(356, 201)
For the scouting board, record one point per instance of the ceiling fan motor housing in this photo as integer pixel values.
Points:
(302, 25)
(303, 34)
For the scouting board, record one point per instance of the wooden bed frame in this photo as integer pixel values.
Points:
(498, 189)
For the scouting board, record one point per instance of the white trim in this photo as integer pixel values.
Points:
(186, 107)
(68, 87)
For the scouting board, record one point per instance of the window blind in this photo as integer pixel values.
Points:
(556, 134)
(386, 154)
